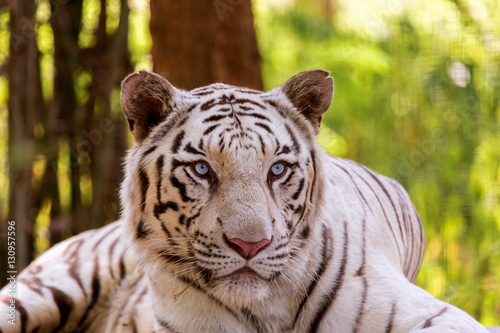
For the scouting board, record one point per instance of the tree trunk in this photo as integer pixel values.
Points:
(196, 43)
(62, 121)
(25, 108)
(109, 61)
(95, 134)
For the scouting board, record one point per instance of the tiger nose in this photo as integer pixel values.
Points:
(247, 250)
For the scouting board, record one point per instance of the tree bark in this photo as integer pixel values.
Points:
(109, 61)
(25, 108)
(196, 43)
(63, 119)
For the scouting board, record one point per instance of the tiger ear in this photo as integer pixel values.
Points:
(146, 99)
(311, 93)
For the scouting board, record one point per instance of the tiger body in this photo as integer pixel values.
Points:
(235, 221)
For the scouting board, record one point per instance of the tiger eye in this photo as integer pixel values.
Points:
(278, 169)
(201, 168)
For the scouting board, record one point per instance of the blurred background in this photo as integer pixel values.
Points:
(417, 99)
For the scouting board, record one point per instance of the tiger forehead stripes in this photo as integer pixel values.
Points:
(234, 220)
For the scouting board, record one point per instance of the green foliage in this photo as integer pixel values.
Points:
(416, 99)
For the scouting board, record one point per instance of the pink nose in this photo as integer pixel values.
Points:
(247, 250)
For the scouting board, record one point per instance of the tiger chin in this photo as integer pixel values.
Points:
(234, 220)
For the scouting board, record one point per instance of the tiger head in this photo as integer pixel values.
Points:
(221, 183)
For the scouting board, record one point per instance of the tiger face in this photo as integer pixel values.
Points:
(220, 180)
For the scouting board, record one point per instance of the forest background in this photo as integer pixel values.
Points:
(417, 99)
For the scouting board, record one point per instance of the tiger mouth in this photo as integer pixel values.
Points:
(242, 272)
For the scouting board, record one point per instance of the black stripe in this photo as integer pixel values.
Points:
(210, 129)
(262, 144)
(95, 290)
(255, 115)
(415, 243)
(222, 143)
(271, 103)
(361, 273)
(105, 236)
(348, 173)
(249, 101)
(428, 322)
(326, 256)
(390, 322)
(284, 150)
(188, 110)
(149, 151)
(182, 189)
(376, 178)
(201, 144)
(295, 196)
(190, 220)
(248, 91)
(298, 210)
(144, 181)
(173, 258)
(162, 207)
(304, 233)
(289, 177)
(166, 325)
(111, 250)
(214, 118)
(24, 315)
(177, 142)
(123, 269)
(383, 210)
(74, 263)
(169, 235)
(159, 172)
(295, 146)
(329, 298)
(64, 304)
(166, 126)
(224, 99)
(361, 270)
(264, 126)
(142, 231)
(203, 92)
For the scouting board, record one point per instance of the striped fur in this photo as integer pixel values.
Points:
(328, 245)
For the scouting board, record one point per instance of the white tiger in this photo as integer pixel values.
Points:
(234, 220)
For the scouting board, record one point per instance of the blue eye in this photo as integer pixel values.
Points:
(201, 168)
(278, 169)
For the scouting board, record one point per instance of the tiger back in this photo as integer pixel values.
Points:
(234, 220)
